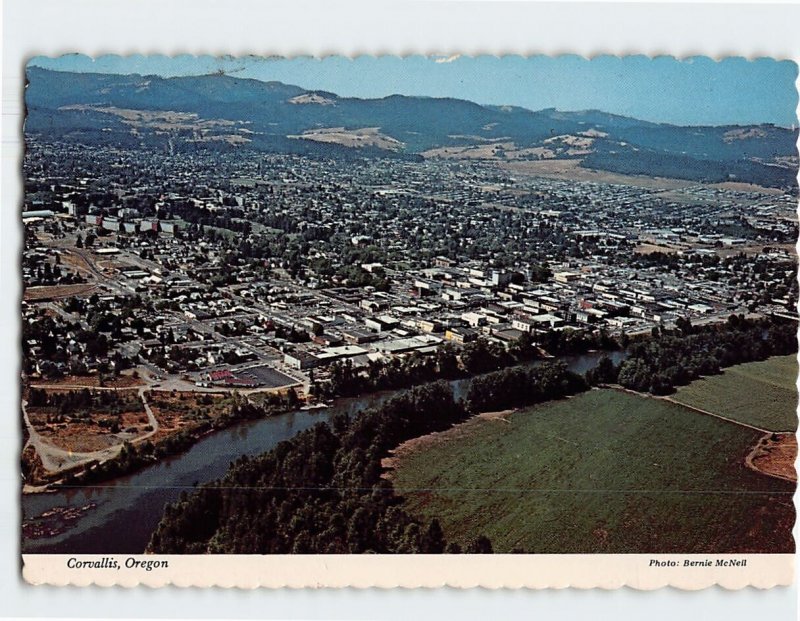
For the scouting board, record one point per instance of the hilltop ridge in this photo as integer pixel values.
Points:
(222, 112)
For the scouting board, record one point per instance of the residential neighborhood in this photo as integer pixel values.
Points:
(263, 272)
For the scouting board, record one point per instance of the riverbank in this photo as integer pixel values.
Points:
(129, 507)
(162, 442)
(142, 453)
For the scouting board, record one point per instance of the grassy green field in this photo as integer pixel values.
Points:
(762, 394)
(604, 471)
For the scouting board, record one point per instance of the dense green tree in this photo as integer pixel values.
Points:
(319, 492)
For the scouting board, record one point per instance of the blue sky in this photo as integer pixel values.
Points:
(693, 91)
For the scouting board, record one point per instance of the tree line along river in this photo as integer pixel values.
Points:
(118, 517)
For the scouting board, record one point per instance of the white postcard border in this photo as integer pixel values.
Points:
(493, 571)
(24, 602)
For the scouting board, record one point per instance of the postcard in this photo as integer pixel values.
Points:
(433, 320)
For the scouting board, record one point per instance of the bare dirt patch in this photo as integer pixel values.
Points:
(90, 381)
(88, 434)
(774, 455)
(164, 120)
(650, 248)
(353, 138)
(183, 411)
(494, 150)
(55, 292)
(738, 186)
(312, 98)
(571, 170)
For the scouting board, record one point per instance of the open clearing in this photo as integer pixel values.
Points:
(184, 411)
(354, 138)
(650, 248)
(604, 471)
(55, 292)
(570, 170)
(95, 427)
(762, 394)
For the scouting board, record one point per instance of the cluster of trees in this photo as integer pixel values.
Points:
(88, 243)
(228, 328)
(322, 491)
(319, 492)
(482, 356)
(45, 332)
(80, 403)
(540, 273)
(200, 217)
(354, 277)
(134, 457)
(677, 357)
(476, 357)
(52, 357)
(94, 345)
(665, 260)
(520, 386)
(291, 334)
(50, 274)
(347, 380)
(565, 342)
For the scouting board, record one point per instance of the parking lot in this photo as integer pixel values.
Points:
(267, 376)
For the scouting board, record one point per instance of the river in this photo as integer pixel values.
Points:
(119, 516)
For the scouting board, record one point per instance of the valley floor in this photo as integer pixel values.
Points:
(605, 471)
(762, 394)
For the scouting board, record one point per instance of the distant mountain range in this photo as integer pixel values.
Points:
(223, 112)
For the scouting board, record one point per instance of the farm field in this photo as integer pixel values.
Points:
(762, 394)
(604, 471)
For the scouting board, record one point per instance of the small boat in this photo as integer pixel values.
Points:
(315, 406)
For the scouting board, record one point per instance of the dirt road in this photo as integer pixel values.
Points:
(55, 459)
